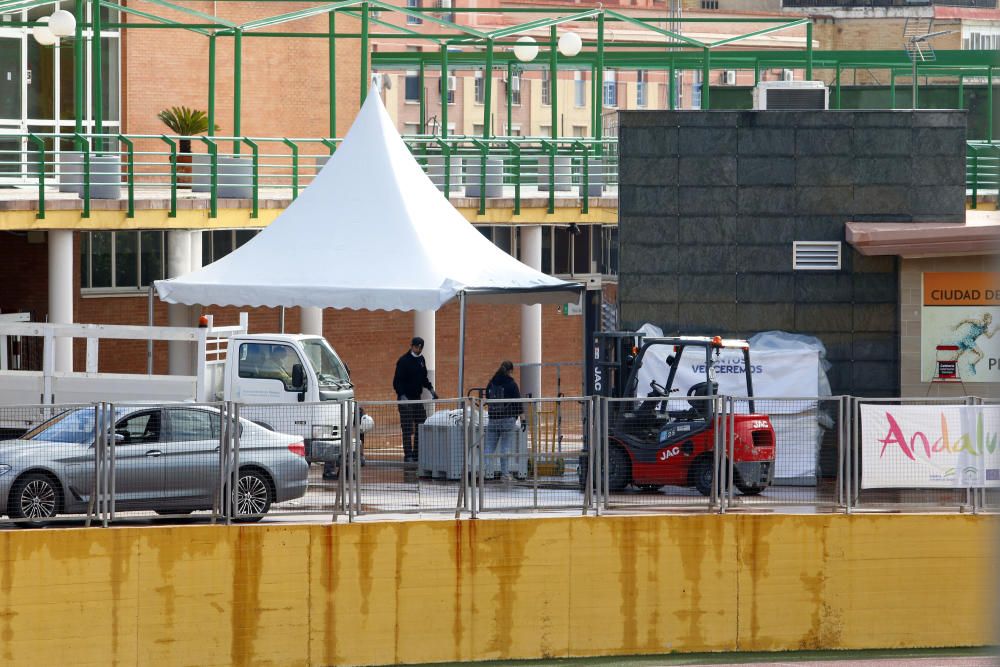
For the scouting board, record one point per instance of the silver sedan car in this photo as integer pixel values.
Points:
(166, 459)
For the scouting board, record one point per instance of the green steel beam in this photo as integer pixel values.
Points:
(130, 173)
(160, 22)
(443, 91)
(660, 31)
(543, 23)
(809, 53)
(598, 101)
(79, 72)
(298, 15)
(173, 174)
(706, 76)
(331, 66)
(193, 12)
(97, 73)
(554, 80)
(211, 83)
(430, 19)
(237, 87)
(758, 33)
(365, 82)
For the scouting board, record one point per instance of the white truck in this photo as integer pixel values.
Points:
(292, 383)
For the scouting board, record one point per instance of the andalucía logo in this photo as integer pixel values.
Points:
(919, 444)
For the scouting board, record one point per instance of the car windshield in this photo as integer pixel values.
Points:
(330, 370)
(75, 426)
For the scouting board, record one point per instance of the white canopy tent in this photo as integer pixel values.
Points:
(370, 232)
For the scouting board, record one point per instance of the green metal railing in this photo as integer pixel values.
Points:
(151, 167)
(539, 169)
(982, 169)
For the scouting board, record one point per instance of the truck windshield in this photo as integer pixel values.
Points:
(330, 370)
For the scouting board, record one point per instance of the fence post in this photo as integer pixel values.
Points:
(93, 506)
(853, 480)
(731, 449)
(110, 435)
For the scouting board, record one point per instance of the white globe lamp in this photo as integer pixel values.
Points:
(62, 23)
(42, 34)
(526, 49)
(570, 44)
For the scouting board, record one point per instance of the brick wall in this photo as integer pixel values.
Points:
(710, 203)
(285, 89)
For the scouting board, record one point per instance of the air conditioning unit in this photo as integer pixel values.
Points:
(452, 82)
(791, 95)
(788, 75)
(729, 77)
(515, 84)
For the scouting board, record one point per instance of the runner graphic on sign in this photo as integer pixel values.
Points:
(969, 332)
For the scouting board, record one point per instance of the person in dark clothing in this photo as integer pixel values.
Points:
(409, 383)
(501, 429)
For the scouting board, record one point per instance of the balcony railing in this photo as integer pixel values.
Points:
(154, 167)
(147, 171)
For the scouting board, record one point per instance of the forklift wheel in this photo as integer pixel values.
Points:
(619, 469)
(749, 490)
(701, 475)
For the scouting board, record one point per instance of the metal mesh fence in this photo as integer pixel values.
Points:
(410, 456)
(532, 453)
(865, 492)
(804, 467)
(48, 463)
(661, 452)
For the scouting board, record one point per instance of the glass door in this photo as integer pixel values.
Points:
(12, 74)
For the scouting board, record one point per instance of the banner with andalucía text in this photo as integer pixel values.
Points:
(930, 446)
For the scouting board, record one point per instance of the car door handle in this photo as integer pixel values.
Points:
(154, 453)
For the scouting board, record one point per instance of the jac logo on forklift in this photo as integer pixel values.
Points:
(760, 423)
(668, 453)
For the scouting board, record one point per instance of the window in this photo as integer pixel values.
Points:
(477, 129)
(121, 260)
(696, 91)
(579, 130)
(641, 86)
(411, 128)
(579, 89)
(139, 428)
(451, 82)
(709, 4)
(545, 130)
(446, 4)
(188, 425)
(546, 88)
(479, 91)
(513, 130)
(411, 86)
(500, 235)
(413, 20)
(610, 89)
(264, 361)
(218, 243)
(515, 88)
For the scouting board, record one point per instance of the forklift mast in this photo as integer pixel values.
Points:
(610, 362)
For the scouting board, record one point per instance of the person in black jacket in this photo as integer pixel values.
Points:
(501, 429)
(409, 383)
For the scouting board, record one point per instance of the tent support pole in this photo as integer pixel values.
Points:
(461, 344)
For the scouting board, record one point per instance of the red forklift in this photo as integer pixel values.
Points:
(658, 439)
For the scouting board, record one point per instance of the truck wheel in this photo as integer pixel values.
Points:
(619, 469)
(253, 495)
(582, 470)
(701, 475)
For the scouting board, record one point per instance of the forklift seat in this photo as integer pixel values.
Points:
(702, 407)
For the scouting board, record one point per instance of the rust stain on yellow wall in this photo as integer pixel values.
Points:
(432, 591)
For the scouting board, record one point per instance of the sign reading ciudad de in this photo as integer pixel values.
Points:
(929, 446)
(959, 319)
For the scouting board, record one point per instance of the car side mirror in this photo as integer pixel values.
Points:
(298, 377)
(119, 437)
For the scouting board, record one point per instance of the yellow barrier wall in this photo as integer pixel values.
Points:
(426, 591)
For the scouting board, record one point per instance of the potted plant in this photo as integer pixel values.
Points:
(185, 122)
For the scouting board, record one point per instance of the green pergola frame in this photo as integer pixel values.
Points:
(672, 51)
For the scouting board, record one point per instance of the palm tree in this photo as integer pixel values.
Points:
(185, 122)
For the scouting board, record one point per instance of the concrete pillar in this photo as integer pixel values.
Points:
(194, 312)
(180, 354)
(425, 326)
(531, 316)
(312, 321)
(61, 293)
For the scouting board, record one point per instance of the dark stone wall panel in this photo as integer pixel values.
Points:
(711, 202)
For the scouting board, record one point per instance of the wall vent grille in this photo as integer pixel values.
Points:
(816, 255)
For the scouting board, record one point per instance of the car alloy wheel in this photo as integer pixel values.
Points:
(252, 495)
(38, 499)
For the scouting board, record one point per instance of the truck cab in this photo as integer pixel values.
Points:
(264, 372)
